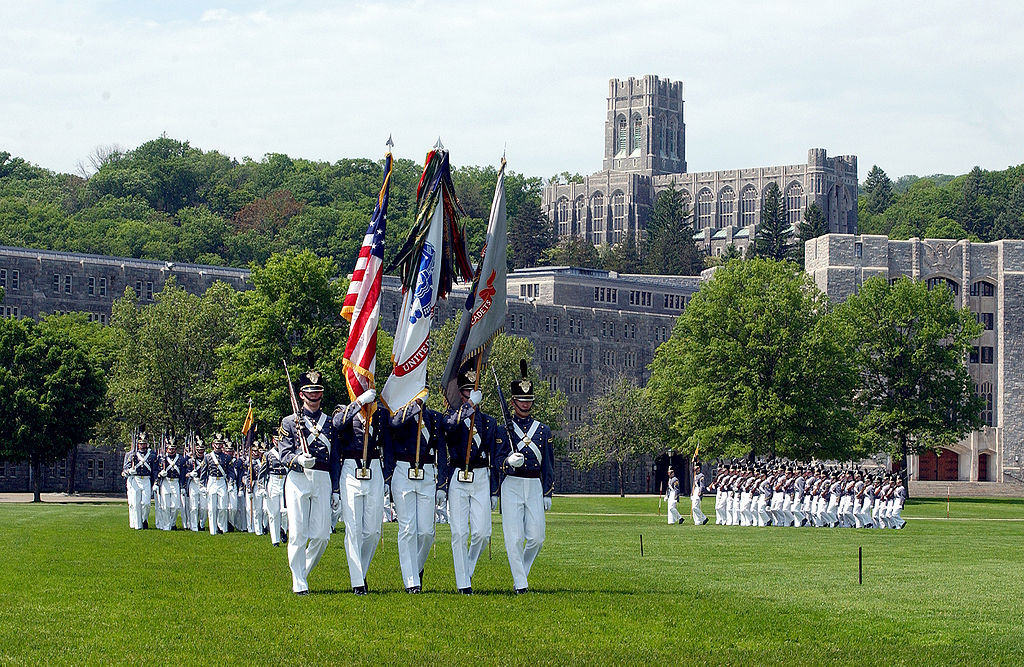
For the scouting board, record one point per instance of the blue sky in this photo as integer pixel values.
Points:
(916, 87)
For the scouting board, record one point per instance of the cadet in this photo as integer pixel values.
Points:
(527, 467)
(696, 512)
(217, 472)
(275, 472)
(139, 470)
(414, 461)
(196, 499)
(672, 498)
(171, 482)
(362, 483)
(257, 491)
(471, 488)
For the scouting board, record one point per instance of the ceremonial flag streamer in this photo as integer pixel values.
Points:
(362, 303)
(249, 427)
(486, 307)
(434, 250)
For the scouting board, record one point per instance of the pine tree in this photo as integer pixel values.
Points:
(669, 248)
(878, 188)
(813, 226)
(774, 235)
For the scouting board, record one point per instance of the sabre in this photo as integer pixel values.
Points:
(295, 408)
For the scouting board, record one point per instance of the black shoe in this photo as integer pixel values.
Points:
(302, 592)
(704, 521)
(520, 591)
(468, 590)
(680, 521)
(413, 589)
(421, 578)
(277, 544)
(145, 525)
(359, 590)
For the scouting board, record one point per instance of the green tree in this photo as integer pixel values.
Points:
(774, 234)
(50, 394)
(572, 251)
(623, 257)
(757, 364)
(878, 191)
(813, 226)
(294, 311)
(625, 426)
(975, 212)
(1010, 224)
(669, 248)
(529, 235)
(909, 346)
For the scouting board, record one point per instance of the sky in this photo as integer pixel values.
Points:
(914, 87)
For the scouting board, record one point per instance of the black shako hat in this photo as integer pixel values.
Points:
(311, 381)
(522, 389)
(468, 376)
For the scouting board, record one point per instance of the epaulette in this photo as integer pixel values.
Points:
(338, 409)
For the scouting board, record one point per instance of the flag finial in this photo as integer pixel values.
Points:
(439, 146)
(390, 144)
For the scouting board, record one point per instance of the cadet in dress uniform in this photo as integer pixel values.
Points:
(257, 491)
(275, 473)
(672, 514)
(237, 514)
(527, 477)
(217, 473)
(696, 512)
(362, 483)
(196, 499)
(720, 495)
(139, 470)
(170, 482)
(415, 458)
(311, 452)
(471, 487)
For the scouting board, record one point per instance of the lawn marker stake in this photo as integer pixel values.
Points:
(947, 501)
(641, 545)
(860, 565)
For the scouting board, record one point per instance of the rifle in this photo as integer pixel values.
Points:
(295, 409)
(504, 406)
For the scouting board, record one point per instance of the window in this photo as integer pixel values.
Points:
(103, 286)
(748, 206)
(552, 381)
(575, 384)
(723, 210)
(608, 359)
(56, 282)
(149, 291)
(623, 137)
(3, 277)
(394, 311)
(574, 326)
(794, 203)
(62, 468)
(92, 286)
(10, 311)
(983, 288)
(619, 212)
(985, 392)
(90, 468)
(138, 288)
(562, 216)
(638, 133)
(858, 250)
(986, 354)
(952, 285)
(597, 206)
(705, 201)
(975, 355)
(675, 301)
(639, 298)
(99, 468)
(606, 294)
(576, 355)
(67, 284)
(986, 320)
(630, 360)
(554, 325)
(15, 279)
(529, 291)
(550, 353)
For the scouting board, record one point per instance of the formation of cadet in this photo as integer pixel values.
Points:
(816, 496)
(435, 468)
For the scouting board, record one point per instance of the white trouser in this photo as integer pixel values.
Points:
(720, 502)
(195, 504)
(469, 514)
(308, 495)
(731, 503)
(864, 512)
(140, 492)
(414, 507)
(846, 511)
(169, 504)
(259, 516)
(746, 516)
(217, 504)
(695, 510)
(275, 506)
(778, 516)
(763, 517)
(362, 507)
(673, 514)
(522, 522)
(896, 515)
(796, 508)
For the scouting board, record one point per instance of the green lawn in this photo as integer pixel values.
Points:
(78, 586)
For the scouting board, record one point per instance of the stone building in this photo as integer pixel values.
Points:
(587, 326)
(988, 278)
(645, 153)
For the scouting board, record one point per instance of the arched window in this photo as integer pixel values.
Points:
(579, 221)
(687, 201)
(638, 133)
(987, 413)
(983, 288)
(618, 215)
(671, 148)
(597, 212)
(723, 211)
(663, 132)
(562, 216)
(705, 203)
(748, 206)
(623, 138)
(794, 203)
(951, 284)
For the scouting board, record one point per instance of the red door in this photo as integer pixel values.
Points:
(927, 467)
(949, 466)
(982, 467)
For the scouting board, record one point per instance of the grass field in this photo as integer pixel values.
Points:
(79, 587)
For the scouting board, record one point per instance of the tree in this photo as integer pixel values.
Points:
(167, 358)
(623, 257)
(625, 426)
(1010, 224)
(669, 248)
(975, 212)
(572, 251)
(909, 346)
(529, 235)
(813, 226)
(50, 395)
(774, 235)
(757, 365)
(878, 190)
(294, 311)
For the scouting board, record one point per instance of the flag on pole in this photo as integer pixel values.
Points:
(249, 426)
(362, 303)
(483, 316)
(429, 259)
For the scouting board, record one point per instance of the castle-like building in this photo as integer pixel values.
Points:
(645, 153)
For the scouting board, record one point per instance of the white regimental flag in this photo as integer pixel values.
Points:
(408, 380)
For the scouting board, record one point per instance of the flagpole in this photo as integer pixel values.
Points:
(472, 422)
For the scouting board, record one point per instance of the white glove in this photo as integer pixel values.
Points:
(440, 498)
(366, 397)
(163, 474)
(156, 488)
(494, 503)
(306, 460)
(124, 474)
(516, 459)
(547, 503)
(335, 502)
(476, 396)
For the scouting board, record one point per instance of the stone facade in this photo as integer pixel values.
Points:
(645, 153)
(988, 278)
(587, 326)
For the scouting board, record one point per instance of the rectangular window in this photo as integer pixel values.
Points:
(858, 249)
(90, 469)
(988, 321)
(138, 292)
(552, 381)
(103, 286)
(149, 291)
(554, 325)
(67, 284)
(974, 355)
(99, 468)
(986, 354)
(56, 282)
(15, 279)
(547, 327)
(550, 353)
(92, 286)
(3, 277)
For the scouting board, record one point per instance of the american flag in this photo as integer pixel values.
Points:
(362, 303)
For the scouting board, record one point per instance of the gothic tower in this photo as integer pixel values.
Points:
(644, 131)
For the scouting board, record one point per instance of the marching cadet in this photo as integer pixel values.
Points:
(275, 473)
(696, 512)
(471, 488)
(196, 499)
(764, 492)
(140, 470)
(257, 491)
(720, 495)
(310, 450)
(217, 473)
(672, 498)
(899, 498)
(237, 515)
(527, 477)
(170, 482)
(414, 460)
(362, 483)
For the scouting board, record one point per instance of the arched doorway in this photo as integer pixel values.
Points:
(935, 468)
(982, 467)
